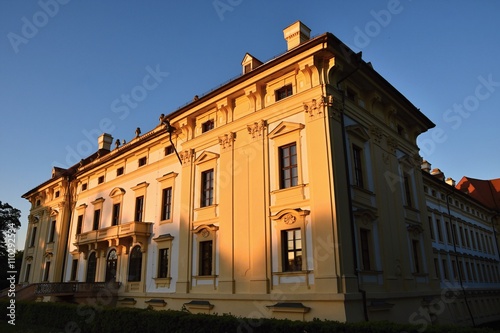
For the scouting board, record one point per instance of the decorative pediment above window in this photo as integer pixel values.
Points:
(365, 216)
(358, 131)
(205, 230)
(414, 229)
(54, 213)
(117, 191)
(290, 216)
(206, 156)
(285, 127)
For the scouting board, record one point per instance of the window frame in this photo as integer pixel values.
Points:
(286, 166)
(164, 242)
(135, 264)
(207, 186)
(283, 92)
(165, 182)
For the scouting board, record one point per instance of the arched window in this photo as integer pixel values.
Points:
(91, 267)
(111, 266)
(135, 265)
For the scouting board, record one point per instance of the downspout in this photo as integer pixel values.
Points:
(349, 196)
(453, 235)
(69, 205)
(497, 208)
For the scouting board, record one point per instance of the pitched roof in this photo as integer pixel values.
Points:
(485, 191)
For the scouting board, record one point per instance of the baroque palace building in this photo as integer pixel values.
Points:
(293, 191)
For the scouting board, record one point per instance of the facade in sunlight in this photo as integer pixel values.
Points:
(294, 191)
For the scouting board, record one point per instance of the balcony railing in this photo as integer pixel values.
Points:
(73, 288)
(131, 229)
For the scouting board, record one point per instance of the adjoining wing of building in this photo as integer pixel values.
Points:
(293, 191)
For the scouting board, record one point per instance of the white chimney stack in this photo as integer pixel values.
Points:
(104, 141)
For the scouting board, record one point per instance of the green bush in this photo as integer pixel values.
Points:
(78, 318)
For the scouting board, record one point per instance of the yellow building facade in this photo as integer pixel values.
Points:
(293, 191)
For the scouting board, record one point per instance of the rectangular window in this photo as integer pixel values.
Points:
(431, 227)
(79, 224)
(207, 188)
(455, 269)
(205, 258)
(467, 267)
(448, 232)
(364, 238)
(440, 233)
(142, 161)
(169, 150)
(357, 156)
(33, 237)
(283, 92)
(462, 237)
(416, 255)
(119, 171)
(97, 218)
(27, 274)
(57, 194)
(406, 183)
(473, 239)
(84, 186)
(207, 126)
(115, 218)
(289, 175)
(445, 270)
(436, 267)
(292, 250)
(139, 206)
(166, 203)
(52, 231)
(46, 272)
(74, 269)
(163, 263)
(100, 180)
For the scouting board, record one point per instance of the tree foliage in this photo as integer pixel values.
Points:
(9, 220)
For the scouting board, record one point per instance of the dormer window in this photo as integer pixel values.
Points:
(283, 92)
(249, 63)
(207, 126)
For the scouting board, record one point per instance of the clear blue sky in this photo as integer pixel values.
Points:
(65, 65)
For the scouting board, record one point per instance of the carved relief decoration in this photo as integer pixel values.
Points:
(186, 156)
(376, 134)
(256, 129)
(414, 229)
(226, 140)
(392, 144)
(289, 219)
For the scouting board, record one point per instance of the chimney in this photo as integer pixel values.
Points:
(296, 34)
(426, 166)
(450, 181)
(438, 174)
(104, 141)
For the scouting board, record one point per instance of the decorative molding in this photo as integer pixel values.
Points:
(257, 128)
(376, 134)
(186, 156)
(289, 219)
(414, 229)
(226, 140)
(392, 144)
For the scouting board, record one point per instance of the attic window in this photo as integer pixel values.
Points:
(283, 92)
(84, 186)
(119, 171)
(100, 180)
(207, 126)
(350, 94)
(37, 203)
(248, 68)
(142, 161)
(56, 195)
(169, 150)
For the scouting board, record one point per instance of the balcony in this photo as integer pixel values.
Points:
(114, 235)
